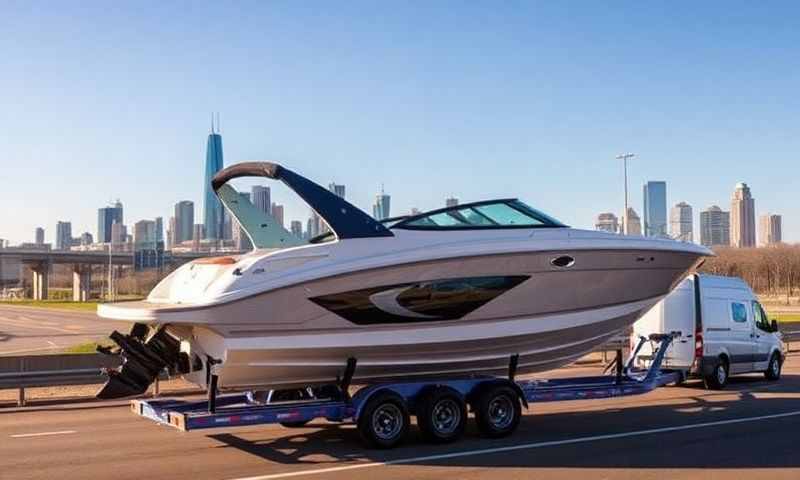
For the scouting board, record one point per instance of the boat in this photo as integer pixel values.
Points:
(465, 289)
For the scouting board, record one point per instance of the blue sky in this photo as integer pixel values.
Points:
(471, 99)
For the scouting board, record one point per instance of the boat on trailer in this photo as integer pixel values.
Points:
(448, 292)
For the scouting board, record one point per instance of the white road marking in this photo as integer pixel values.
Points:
(42, 434)
(524, 446)
(30, 324)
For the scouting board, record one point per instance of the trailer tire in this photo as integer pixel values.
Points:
(383, 422)
(441, 414)
(773, 371)
(497, 411)
(718, 378)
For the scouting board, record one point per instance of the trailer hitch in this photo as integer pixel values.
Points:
(143, 360)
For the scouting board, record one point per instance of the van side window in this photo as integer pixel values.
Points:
(738, 312)
(761, 317)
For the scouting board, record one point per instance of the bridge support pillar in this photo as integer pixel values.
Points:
(40, 280)
(81, 282)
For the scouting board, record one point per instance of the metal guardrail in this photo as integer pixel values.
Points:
(790, 337)
(25, 371)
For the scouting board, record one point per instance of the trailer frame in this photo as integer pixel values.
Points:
(242, 409)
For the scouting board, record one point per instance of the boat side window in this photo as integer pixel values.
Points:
(738, 312)
(761, 317)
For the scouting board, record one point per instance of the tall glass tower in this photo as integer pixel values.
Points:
(213, 214)
(382, 206)
(655, 209)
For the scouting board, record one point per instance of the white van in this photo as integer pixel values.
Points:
(723, 331)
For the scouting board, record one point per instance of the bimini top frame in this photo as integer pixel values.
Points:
(346, 220)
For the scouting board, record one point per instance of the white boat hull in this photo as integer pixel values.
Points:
(542, 343)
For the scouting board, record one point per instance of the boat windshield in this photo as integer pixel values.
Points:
(508, 213)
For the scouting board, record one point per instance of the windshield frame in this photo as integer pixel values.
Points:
(516, 204)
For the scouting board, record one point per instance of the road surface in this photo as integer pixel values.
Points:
(750, 430)
(31, 330)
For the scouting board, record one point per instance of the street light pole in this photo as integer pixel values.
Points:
(624, 157)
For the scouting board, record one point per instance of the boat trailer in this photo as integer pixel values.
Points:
(381, 410)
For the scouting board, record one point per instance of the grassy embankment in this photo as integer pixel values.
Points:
(62, 304)
(786, 317)
(57, 304)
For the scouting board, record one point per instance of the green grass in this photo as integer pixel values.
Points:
(786, 317)
(88, 347)
(58, 304)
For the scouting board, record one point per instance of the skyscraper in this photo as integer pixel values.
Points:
(184, 221)
(106, 217)
(277, 213)
(450, 202)
(39, 236)
(715, 227)
(261, 198)
(197, 235)
(680, 222)
(743, 217)
(311, 225)
(634, 222)
(382, 207)
(144, 235)
(769, 232)
(86, 239)
(297, 228)
(213, 214)
(119, 236)
(159, 233)
(63, 235)
(337, 189)
(655, 209)
(607, 222)
(240, 239)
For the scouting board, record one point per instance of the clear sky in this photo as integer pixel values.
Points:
(107, 100)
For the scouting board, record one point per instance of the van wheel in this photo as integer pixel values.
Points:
(773, 371)
(718, 377)
(441, 415)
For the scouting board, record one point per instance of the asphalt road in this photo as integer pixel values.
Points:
(30, 330)
(750, 430)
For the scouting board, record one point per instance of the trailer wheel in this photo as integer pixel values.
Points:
(718, 378)
(497, 411)
(773, 371)
(383, 422)
(441, 415)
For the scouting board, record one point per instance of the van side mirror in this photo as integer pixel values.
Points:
(774, 325)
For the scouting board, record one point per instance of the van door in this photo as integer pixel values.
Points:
(764, 338)
(741, 344)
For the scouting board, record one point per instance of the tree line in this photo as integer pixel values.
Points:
(773, 270)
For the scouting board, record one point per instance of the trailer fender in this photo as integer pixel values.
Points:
(472, 395)
(363, 396)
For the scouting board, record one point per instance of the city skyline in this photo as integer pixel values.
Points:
(358, 107)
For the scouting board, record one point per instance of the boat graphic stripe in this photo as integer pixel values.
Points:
(431, 300)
